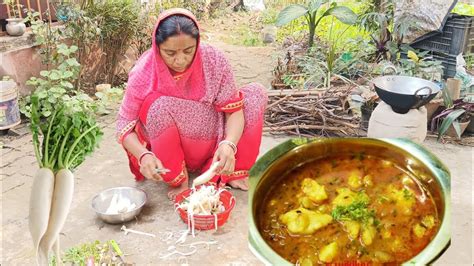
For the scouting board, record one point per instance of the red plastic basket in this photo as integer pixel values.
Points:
(207, 222)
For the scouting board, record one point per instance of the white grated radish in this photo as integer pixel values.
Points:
(202, 201)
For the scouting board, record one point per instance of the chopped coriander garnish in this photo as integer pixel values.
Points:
(356, 211)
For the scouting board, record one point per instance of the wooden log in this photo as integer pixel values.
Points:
(342, 123)
(8, 11)
(39, 9)
(278, 101)
(295, 93)
(18, 6)
(286, 128)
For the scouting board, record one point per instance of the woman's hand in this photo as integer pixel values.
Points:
(226, 158)
(148, 166)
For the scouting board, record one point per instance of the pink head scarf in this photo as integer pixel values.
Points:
(153, 68)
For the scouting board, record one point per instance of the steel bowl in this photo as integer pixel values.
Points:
(101, 202)
(279, 161)
(403, 93)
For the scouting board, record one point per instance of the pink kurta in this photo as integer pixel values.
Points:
(181, 120)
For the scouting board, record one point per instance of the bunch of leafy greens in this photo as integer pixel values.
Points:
(99, 253)
(67, 136)
(356, 211)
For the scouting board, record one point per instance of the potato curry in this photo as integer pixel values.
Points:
(349, 208)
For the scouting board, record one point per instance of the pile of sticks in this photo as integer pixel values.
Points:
(310, 113)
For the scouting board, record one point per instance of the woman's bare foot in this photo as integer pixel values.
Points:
(173, 191)
(242, 184)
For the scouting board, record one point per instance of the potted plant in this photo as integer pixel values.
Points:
(454, 117)
(15, 26)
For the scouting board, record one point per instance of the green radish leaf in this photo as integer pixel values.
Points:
(76, 132)
(67, 74)
(290, 13)
(62, 46)
(67, 84)
(35, 129)
(72, 62)
(46, 113)
(73, 49)
(54, 75)
(41, 95)
(44, 73)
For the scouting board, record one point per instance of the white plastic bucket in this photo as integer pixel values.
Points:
(9, 111)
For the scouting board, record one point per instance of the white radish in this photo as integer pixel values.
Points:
(40, 205)
(206, 176)
(62, 198)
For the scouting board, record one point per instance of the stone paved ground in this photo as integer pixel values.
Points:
(108, 168)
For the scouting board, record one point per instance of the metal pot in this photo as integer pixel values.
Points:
(101, 202)
(403, 93)
(279, 161)
(15, 26)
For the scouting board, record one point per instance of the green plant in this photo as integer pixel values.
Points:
(83, 31)
(108, 98)
(68, 136)
(341, 30)
(326, 62)
(313, 17)
(293, 81)
(387, 35)
(46, 37)
(119, 22)
(59, 83)
(56, 85)
(142, 39)
(94, 252)
(453, 113)
(14, 7)
(418, 65)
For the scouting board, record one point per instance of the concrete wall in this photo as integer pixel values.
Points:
(19, 60)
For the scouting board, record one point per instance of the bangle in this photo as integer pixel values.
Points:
(230, 143)
(142, 155)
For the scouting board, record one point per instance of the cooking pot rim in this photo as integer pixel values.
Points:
(435, 89)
